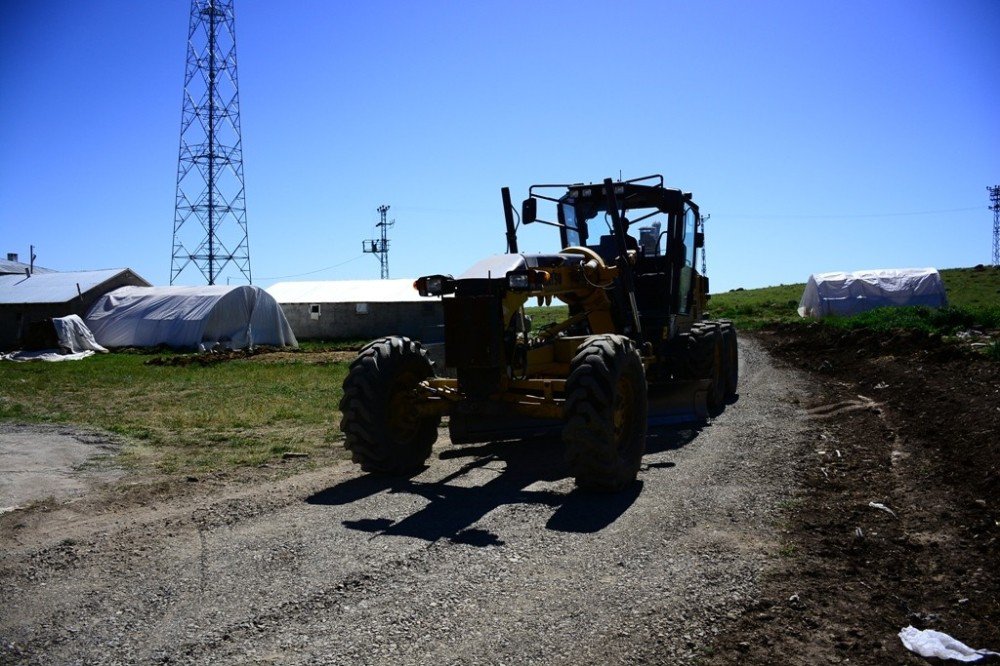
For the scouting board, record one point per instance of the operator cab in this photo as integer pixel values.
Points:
(659, 229)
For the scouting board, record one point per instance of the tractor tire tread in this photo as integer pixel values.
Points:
(594, 458)
(365, 407)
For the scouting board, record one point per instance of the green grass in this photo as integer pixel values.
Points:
(545, 315)
(969, 288)
(944, 321)
(340, 344)
(179, 419)
(755, 308)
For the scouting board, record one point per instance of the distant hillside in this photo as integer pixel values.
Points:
(752, 308)
(968, 287)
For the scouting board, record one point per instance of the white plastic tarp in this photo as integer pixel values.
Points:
(844, 294)
(234, 317)
(74, 338)
(939, 645)
(45, 355)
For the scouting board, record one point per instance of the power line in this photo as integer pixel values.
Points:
(767, 216)
(319, 270)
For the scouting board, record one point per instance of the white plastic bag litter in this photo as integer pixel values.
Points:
(930, 643)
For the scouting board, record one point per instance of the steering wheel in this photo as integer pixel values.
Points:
(586, 252)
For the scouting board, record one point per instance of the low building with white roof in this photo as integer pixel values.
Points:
(359, 309)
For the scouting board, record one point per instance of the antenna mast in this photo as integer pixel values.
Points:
(380, 246)
(210, 225)
(995, 207)
(702, 219)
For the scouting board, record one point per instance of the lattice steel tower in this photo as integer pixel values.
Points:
(995, 207)
(210, 222)
(380, 246)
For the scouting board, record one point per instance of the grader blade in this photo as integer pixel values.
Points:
(677, 402)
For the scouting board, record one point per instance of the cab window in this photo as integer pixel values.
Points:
(687, 270)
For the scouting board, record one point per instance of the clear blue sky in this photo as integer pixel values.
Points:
(818, 135)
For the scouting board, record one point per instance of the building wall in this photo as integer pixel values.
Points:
(16, 317)
(365, 321)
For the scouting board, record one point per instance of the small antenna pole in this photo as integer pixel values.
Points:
(380, 246)
(995, 207)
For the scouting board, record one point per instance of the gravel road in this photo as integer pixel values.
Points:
(487, 557)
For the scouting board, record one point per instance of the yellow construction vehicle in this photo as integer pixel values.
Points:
(635, 327)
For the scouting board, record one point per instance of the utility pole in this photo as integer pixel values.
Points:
(380, 246)
(210, 225)
(995, 207)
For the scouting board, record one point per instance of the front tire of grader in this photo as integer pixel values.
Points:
(606, 408)
(381, 428)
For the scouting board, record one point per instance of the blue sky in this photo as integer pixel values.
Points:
(818, 135)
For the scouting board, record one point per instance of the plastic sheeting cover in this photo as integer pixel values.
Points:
(936, 644)
(45, 355)
(190, 318)
(75, 336)
(843, 294)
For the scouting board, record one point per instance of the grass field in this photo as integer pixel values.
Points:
(178, 419)
(187, 418)
(754, 308)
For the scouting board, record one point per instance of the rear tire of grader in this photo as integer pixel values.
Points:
(383, 432)
(706, 359)
(606, 409)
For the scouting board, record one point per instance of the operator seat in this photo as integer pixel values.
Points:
(607, 247)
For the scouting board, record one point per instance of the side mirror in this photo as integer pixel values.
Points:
(529, 210)
(699, 239)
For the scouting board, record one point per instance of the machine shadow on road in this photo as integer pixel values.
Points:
(517, 472)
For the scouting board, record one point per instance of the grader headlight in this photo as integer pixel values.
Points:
(528, 280)
(435, 285)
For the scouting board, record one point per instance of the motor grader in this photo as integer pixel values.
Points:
(635, 328)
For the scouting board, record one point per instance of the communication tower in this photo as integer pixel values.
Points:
(380, 246)
(995, 207)
(210, 223)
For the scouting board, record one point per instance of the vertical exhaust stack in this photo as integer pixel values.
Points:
(508, 214)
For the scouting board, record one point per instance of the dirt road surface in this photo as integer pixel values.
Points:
(489, 556)
(39, 462)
